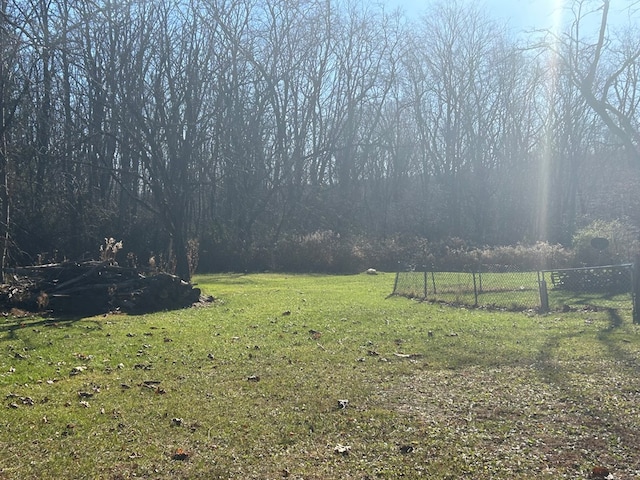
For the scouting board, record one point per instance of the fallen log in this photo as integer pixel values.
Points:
(91, 288)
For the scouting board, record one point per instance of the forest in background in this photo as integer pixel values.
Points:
(244, 134)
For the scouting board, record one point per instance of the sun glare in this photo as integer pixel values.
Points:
(558, 11)
(558, 14)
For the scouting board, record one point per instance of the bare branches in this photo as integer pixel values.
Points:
(619, 121)
(247, 121)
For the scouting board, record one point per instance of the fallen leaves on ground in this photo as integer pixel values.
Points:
(181, 455)
(342, 449)
(512, 420)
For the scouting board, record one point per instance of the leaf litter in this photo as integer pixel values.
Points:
(516, 421)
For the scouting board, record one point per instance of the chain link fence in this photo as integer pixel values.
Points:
(506, 288)
(608, 286)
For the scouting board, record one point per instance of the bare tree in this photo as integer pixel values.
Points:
(463, 87)
(605, 70)
(173, 121)
(8, 104)
(570, 130)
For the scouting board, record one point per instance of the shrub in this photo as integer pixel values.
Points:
(539, 256)
(319, 251)
(327, 251)
(394, 253)
(455, 255)
(623, 243)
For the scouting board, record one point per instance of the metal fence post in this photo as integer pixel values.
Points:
(544, 295)
(433, 282)
(425, 283)
(635, 281)
(475, 289)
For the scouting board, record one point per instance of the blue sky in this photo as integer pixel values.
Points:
(521, 14)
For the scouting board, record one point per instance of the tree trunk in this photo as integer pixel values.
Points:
(4, 180)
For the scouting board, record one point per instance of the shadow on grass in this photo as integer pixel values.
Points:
(606, 301)
(610, 338)
(615, 319)
(13, 325)
(580, 397)
(225, 279)
(549, 367)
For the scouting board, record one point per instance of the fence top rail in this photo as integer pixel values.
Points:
(622, 265)
(471, 269)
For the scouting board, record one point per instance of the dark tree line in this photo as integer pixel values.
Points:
(221, 128)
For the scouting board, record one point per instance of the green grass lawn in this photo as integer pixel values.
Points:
(320, 377)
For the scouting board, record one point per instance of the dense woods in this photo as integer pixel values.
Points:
(233, 134)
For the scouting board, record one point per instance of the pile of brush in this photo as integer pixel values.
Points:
(92, 288)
